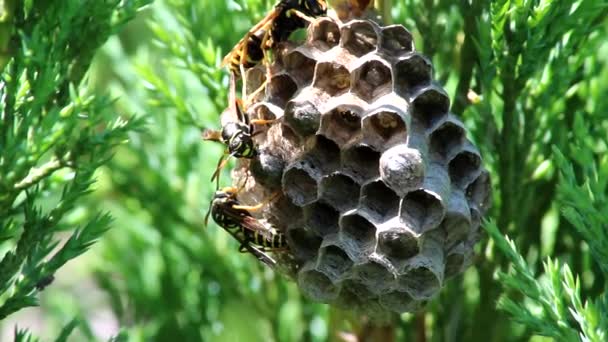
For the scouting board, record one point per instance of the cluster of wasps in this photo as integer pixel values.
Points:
(255, 236)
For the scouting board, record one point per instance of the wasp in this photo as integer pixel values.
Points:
(237, 136)
(286, 17)
(254, 236)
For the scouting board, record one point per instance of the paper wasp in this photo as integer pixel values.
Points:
(254, 236)
(236, 135)
(286, 17)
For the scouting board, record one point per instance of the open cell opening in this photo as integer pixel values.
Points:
(281, 88)
(396, 40)
(372, 80)
(412, 71)
(456, 227)
(300, 66)
(430, 105)
(478, 192)
(255, 78)
(326, 153)
(398, 302)
(325, 34)
(463, 168)
(359, 38)
(339, 191)
(398, 243)
(385, 128)
(360, 290)
(445, 137)
(357, 229)
(375, 275)
(379, 200)
(420, 282)
(454, 263)
(303, 243)
(342, 124)
(361, 162)
(321, 218)
(334, 262)
(300, 186)
(333, 78)
(422, 210)
(317, 286)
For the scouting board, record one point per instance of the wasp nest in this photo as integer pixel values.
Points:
(382, 193)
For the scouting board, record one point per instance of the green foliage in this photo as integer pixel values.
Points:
(529, 79)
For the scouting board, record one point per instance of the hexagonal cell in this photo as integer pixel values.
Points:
(348, 300)
(321, 218)
(357, 232)
(340, 191)
(361, 162)
(422, 210)
(430, 105)
(358, 289)
(324, 155)
(384, 128)
(448, 134)
(359, 38)
(457, 221)
(303, 117)
(399, 302)
(333, 78)
(379, 201)
(267, 169)
(300, 65)
(281, 88)
(371, 80)
(376, 276)
(402, 169)
(455, 261)
(421, 282)
(411, 71)
(396, 40)
(325, 34)
(464, 167)
(479, 192)
(397, 241)
(342, 124)
(264, 111)
(303, 243)
(317, 286)
(255, 79)
(333, 262)
(300, 184)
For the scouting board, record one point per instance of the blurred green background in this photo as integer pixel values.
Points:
(159, 275)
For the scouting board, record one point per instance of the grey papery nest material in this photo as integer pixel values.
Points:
(382, 193)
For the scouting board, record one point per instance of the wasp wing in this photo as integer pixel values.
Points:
(248, 222)
(241, 44)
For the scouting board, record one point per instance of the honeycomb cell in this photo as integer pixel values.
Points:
(457, 221)
(255, 79)
(372, 80)
(340, 191)
(264, 111)
(281, 88)
(303, 243)
(396, 241)
(421, 282)
(375, 275)
(379, 201)
(455, 261)
(300, 65)
(300, 184)
(411, 71)
(396, 40)
(332, 78)
(342, 124)
(267, 169)
(324, 155)
(321, 218)
(358, 233)
(430, 104)
(302, 117)
(478, 193)
(359, 290)
(465, 166)
(361, 162)
(333, 262)
(384, 128)
(402, 169)
(317, 286)
(325, 34)
(422, 210)
(359, 37)
(399, 302)
(447, 135)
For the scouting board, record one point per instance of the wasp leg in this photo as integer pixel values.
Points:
(262, 121)
(255, 93)
(220, 165)
(258, 206)
(301, 15)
